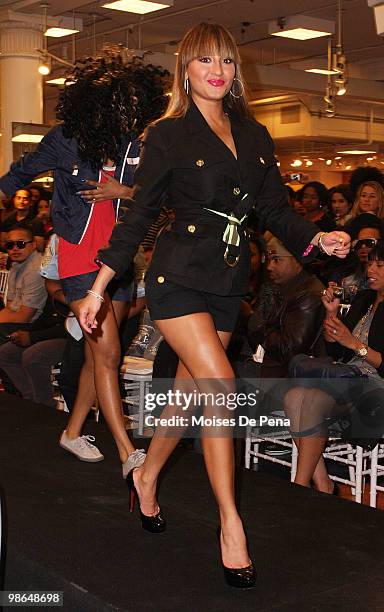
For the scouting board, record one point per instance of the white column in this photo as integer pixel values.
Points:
(21, 88)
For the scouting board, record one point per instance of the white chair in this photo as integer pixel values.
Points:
(4, 284)
(376, 470)
(136, 374)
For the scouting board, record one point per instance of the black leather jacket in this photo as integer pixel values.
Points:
(292, 326)
(184, 161)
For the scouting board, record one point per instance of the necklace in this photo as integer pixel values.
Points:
(361, 330)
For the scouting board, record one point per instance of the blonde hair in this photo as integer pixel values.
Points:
(356, 210)
(205, 39)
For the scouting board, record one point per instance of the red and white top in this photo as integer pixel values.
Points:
(75, 259)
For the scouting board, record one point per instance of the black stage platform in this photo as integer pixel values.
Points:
(69, 529)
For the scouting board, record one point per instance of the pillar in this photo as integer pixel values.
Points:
(21, 88)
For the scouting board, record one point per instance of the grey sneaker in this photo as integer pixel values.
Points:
(81, 447)
(135, 459)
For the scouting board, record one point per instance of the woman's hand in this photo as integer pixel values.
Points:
(336, 243)
(335, 330)
(109, 190)
(88, 310)
(330, 302)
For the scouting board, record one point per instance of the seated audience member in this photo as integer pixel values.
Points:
(357, 341)
(369, 199)
(23, 216)
(28, 357)
(44, 215)
(341, 204)
(290, 323)
(315, 200)
(26, 295)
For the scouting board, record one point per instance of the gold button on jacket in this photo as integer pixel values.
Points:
(192, 229)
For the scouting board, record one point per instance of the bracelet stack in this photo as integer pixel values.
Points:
(96, 295)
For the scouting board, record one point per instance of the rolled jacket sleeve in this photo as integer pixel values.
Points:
(276, 215)
(151, 180)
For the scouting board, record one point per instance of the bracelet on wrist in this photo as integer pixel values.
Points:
(320, 244)
(96, 295)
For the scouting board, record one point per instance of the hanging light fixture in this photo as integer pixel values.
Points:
(138, 6)
(45, 61)
(340, 61)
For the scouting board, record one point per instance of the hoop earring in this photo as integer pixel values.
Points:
(186, 85)
(240, 95)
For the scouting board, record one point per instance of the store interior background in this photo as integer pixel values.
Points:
(307, 119)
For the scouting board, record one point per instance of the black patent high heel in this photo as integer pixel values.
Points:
(239, 577)
(153, 524)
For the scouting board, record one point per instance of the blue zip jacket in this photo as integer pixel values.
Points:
(70, 212)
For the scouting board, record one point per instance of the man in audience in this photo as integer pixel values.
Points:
(23, 216)
(291, 322)
(26, 295)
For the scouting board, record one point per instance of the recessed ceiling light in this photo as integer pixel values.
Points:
(357, 149)
(309, 162)
(301, 27)
(348, 167)
(296, 163)
(58, 81)
(58, 32)
(137, 6)
(328, 162)
(321, 71)
(338, 157)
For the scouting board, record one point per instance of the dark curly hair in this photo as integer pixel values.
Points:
(362, 174)
(106, 98)
(321, 190)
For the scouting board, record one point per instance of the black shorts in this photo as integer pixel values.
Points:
(167, 300)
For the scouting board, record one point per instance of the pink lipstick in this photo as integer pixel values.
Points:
(216, 82)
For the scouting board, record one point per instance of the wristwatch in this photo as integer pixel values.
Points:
(362, 351)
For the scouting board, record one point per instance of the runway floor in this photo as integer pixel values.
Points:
(68, 529)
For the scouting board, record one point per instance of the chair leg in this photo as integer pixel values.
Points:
(294, 461)
(248, 445)
(373, 477)
(359, 474)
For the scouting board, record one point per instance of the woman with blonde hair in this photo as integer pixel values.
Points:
(213, 162)
(369, 199)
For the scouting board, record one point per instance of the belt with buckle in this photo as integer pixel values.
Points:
(231, 235)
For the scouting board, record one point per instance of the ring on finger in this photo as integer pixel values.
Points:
(334, 332)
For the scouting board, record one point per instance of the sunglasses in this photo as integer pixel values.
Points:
(368, 242)
(20, 244)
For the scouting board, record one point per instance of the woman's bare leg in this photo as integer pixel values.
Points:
(104, 345)
(202, 351)
(307, 408)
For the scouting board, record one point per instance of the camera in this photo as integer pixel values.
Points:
(338, 292)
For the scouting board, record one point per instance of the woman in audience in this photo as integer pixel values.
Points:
(93, 153)
(369, 199)
(214, 161)
(315, 201)
(357, 340)
(341, 204)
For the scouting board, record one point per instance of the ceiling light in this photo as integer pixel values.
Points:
(296, 163)
(348, 167)
(328, 162)
(342, 90)
(370, 158)
(45, 66)
(338, 157)
(270, 100)
(58, 81)
(301, 27)
(28, 132)
(309, 162)
(321, 158)
(137, 6)
(58, 32)
(357, 149)
(321, 71)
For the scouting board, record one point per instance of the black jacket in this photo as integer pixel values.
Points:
(184, 161)
(70, 212)
(292, 325)
(358, 309)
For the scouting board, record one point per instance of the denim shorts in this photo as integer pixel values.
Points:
(76, 287)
